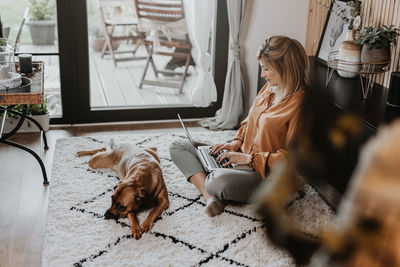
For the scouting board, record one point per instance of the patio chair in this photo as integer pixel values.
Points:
(110, 12)
(165, 19)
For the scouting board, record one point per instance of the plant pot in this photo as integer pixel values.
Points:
(43, 32)
(97, 44)
(28, 126)
(376, 59)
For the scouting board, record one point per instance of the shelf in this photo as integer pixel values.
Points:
(367, 70)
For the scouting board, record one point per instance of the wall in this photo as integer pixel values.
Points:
(264, 18)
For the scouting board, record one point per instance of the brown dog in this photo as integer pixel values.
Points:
(141, 185)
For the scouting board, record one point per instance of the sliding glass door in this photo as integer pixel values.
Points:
(98, 88)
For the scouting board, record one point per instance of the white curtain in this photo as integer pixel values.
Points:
(232, 103)
(199, 16)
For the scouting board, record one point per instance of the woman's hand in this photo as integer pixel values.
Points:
(234, 157)
(231, 146)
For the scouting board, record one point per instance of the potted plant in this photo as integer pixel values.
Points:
(39, 112)
(97, 38)
(41, 22)
(376, 42)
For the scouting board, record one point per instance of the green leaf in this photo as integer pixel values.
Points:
(377, 37)
(42, 9)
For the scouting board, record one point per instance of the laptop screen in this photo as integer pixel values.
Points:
(186, 131)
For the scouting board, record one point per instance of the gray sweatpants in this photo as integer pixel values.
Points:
(224, 184)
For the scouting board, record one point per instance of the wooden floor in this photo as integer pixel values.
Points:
(23, 198)
(119, 86)
(110, 86)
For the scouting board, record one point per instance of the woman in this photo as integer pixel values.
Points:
(270, 126)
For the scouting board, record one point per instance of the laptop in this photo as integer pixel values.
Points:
(209, 161)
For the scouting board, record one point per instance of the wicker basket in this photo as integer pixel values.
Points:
(375, 55)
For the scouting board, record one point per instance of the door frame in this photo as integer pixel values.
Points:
(75, 77)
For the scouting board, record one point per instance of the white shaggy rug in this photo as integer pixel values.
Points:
(77, 234)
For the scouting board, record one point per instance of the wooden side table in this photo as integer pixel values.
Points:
(32, 94)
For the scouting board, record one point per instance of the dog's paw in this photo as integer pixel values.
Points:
(136, 232)
(147, 225)
(80, 153)
(90, 152)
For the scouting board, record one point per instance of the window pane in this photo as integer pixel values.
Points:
(116, 69)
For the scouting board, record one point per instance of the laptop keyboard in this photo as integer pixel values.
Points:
(218, 164)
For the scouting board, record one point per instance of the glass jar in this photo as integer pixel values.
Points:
(7, 60)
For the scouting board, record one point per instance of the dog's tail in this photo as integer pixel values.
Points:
(112, 144)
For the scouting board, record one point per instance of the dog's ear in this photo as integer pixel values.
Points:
(140, 194)
(153, 152)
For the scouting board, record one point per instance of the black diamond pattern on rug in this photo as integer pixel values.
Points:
(211, 249)
(78, 234)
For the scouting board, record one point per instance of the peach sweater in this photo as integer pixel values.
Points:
(268, 129)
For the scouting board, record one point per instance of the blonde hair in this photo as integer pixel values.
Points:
(288, 57)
